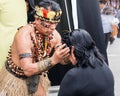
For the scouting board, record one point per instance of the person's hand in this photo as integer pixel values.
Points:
(60, 53)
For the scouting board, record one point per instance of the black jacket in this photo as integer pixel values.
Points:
(88, 81)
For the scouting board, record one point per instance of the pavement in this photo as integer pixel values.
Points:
(53, 91)
(114, 61)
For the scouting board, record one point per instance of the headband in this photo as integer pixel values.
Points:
(48, 15)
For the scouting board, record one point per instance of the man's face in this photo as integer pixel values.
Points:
(101, 5)
(45, 28)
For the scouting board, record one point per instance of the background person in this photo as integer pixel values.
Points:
(118, 16)
(107, 23)
(102, 5)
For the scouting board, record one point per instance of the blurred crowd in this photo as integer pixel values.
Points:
(110, 17)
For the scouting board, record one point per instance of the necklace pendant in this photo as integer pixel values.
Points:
(45, 53)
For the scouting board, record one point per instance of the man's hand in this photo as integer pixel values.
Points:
(60, 53)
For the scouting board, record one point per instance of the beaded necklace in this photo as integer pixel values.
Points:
(42, 46)
(41, 50)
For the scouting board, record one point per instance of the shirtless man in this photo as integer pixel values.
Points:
(28, 59)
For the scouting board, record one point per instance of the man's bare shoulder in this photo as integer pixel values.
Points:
(27, 29)
(24, 31)
(23, 36)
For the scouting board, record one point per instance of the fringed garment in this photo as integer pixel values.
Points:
(13, 83)
(14, 86)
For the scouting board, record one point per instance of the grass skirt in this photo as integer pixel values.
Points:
(13, 86)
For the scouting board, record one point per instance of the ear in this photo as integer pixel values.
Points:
(72, 56)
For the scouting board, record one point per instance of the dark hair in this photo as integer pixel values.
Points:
(107, 10)
(102, 1)
(49, 4)
(85, 50)
(41, 3)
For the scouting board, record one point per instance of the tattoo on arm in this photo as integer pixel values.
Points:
(25, 55)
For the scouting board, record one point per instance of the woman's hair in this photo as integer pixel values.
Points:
(85, 50)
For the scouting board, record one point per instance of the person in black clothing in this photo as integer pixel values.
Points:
(92, 23)
(90, 75)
